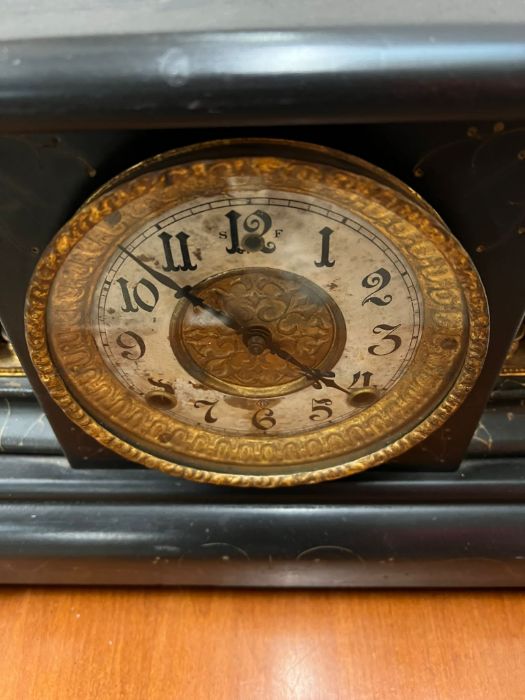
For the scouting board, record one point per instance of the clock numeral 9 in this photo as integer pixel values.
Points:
(136, 343)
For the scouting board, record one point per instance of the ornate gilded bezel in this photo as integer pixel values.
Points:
(446, 365)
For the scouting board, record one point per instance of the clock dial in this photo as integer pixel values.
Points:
(260, 319)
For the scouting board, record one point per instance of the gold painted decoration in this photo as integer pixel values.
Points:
(257, 313)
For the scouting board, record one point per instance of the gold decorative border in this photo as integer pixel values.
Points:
(449, 280)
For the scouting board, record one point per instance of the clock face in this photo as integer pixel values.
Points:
(258, 319)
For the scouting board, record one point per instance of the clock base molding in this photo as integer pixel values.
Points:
(382, 529)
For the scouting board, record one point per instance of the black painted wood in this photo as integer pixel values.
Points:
(340, 75)
(59, 525)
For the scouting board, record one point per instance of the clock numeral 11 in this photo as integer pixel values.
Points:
(183, 249)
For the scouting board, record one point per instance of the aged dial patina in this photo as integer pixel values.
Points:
(278, 315)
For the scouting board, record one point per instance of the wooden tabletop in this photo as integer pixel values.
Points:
(149, 644)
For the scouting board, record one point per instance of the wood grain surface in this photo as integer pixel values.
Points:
(162, 644)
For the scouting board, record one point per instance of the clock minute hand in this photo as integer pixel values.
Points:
(185, 292)
(319, 377)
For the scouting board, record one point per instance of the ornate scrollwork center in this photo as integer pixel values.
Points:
(298, 315)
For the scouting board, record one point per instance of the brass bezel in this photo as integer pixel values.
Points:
(454, 296)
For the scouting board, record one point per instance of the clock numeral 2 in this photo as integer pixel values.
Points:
(378, 279)
(184, 253)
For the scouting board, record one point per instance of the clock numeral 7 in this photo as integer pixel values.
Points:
(208, 416)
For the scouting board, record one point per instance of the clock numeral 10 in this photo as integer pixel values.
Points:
(144, 293)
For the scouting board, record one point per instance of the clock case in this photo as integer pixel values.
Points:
(444, 513)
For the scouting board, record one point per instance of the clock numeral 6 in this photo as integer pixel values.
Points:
(263, 419)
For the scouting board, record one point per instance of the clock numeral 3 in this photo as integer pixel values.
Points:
(395, 340)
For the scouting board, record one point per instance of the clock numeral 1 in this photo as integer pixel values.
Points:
(233, 217)
(184, 252)
(325, 249)
(145, 294)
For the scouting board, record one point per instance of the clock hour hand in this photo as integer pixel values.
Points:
(185, 292)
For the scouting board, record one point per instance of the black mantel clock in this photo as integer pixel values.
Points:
(270, 311)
